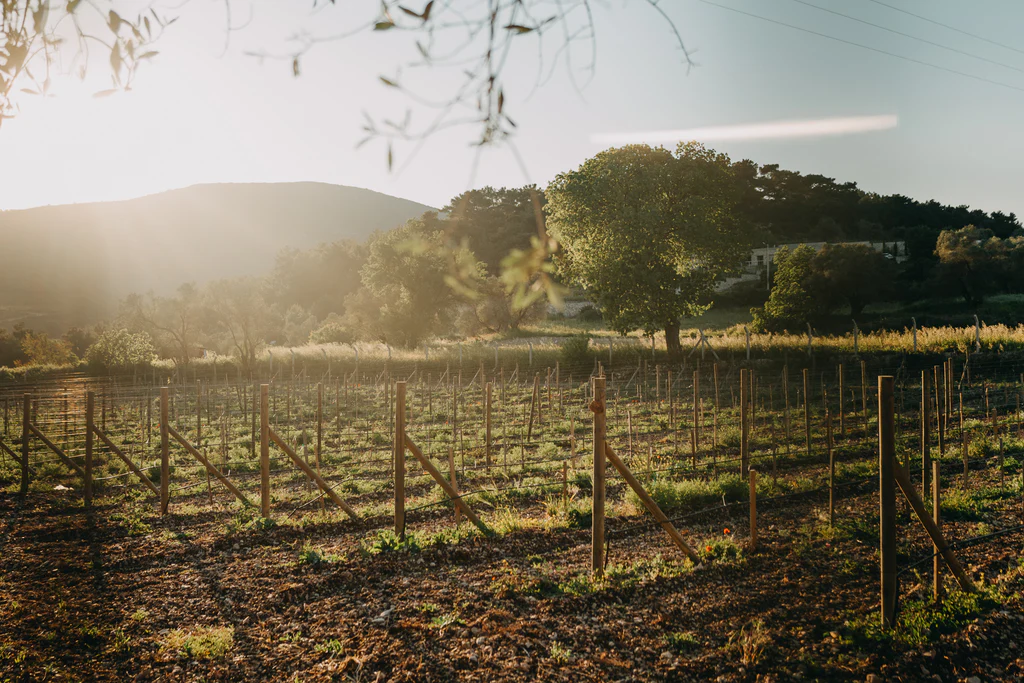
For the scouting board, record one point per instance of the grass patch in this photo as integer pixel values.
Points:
(920, 621)
(682, 642)
(201, 642)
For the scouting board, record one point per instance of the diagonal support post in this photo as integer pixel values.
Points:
(651, 506)
(433, 472)
(328, 491)
(209, 467)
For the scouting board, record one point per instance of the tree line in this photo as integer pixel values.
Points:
(646, 234)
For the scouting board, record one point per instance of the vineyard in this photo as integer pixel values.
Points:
(220, 529)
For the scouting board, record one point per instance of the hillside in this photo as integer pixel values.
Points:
(69, 265)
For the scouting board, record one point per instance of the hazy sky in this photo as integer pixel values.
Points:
(199, 114)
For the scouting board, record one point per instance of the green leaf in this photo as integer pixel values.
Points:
(115, 61)
(383, 25)
(114, 21)
(427, 9)
(149, 55)
(388, 82)
(518, 28)
(295, 66)
(391, 158)
(72, 6)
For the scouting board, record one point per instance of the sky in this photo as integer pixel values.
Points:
(204, 111)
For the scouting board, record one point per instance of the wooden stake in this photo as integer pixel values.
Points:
(937, 518)
(265, 450)
(744, 427)
(926, 459)
(165, 453)
(597, 509)
(487, 422)
(398, 454)
(807, 411)
(319, 433)
(753, 510)
(89, 427)
(455, 484)
(887, 498)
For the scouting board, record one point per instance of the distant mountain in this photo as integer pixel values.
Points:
(70, 265)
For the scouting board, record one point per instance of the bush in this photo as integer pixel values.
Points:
(120, 349)
(575, 350)
(589, 314)
(331, 332)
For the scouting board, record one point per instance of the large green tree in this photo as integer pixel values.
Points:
(851, 274)
(406, 293)
(492, 222)
(647, 233)
(792, 302)
(975, 263)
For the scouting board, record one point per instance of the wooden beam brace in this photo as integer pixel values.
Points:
(335, 498)
(929, 524)
(209, 467)
(60, 454)
(433, 471)
(651, 506)
(127, 461)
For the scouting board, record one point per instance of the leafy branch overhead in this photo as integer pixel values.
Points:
(474, 43)
(40, 40)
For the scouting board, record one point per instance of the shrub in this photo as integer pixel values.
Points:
(575, 350)
(331, 332)
(202, 642)
(119, 349)
(589, 314)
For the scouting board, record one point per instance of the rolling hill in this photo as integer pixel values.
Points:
(71, 264)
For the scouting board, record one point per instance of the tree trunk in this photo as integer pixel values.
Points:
(675, 351)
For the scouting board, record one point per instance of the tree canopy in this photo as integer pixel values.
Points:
(647, 233)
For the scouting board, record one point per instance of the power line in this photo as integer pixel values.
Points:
(947, 26)
(907, 35)
(865, 47)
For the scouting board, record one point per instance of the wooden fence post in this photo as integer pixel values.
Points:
(807, 411)
(319, 434)
(165, 453)
(399, 456)
(963, 439)
(265, 450)
(842, 399)
(831, 472)
(90, 402)
(744, 431)
(887, 497)
(455, 484)
(487, 423)
(937, 518)
(753, 510)
(597, 509)
(26, 418)
(926, 459)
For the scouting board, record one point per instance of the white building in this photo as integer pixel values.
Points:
(758, 266)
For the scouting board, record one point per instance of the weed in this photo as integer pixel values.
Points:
(387, 541)
(560, 653)
(919, 622)
(201, 642)
(750, 642)
(332, 648)
(314, 556)
(682, 642)
(961, 505)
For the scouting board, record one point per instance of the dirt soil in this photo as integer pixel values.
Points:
(90, 596)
